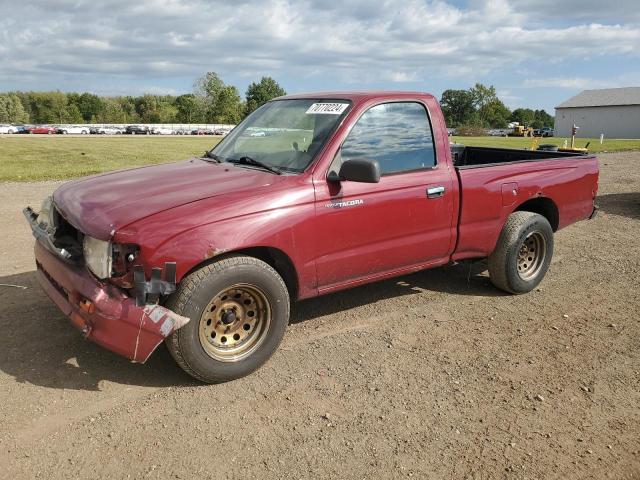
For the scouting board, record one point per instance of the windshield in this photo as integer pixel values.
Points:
(285, 134)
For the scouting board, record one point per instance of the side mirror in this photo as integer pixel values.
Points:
(358, 170)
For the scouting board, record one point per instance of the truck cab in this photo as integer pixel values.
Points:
(310, 194)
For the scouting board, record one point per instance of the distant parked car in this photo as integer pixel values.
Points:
(183, 131)
(162, 131)
(8, 129)
(108, 130)
(543, 132)
(137, 130)
(23, 129)
(201, 131)
(73, 130)
(43, 130)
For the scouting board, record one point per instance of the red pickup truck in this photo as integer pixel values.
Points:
(308, 195)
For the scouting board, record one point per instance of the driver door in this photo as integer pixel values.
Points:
(367, 230)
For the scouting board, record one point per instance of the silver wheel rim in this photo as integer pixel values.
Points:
(531, 255)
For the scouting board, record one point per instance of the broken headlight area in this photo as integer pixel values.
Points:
(48, 215)
(111, 260)
(124, 256)
(145, 285)
(118, 263)
(97, 256)
(56, 234)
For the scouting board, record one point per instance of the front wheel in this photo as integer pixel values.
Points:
(523, 253)
(238, 309)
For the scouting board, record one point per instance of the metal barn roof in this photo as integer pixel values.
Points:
(604, 97)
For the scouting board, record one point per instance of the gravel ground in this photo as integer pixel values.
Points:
(432, 375)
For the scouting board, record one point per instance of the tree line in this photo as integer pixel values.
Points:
(212, 101)
(480, 107)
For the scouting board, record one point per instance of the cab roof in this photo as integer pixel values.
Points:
(357, 96)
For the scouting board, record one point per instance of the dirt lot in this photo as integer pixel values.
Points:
(433, 375)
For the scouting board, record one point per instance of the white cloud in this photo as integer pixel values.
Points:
(582, 83)
(355, 41)
(403, 76)
(566, 82)
(618, 11)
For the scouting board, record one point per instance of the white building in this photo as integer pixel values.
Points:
(614, 112)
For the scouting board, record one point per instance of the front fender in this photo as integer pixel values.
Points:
(288, 229)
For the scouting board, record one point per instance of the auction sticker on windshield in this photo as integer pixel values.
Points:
(327, 108)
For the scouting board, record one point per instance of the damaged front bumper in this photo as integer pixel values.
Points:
(103, 312)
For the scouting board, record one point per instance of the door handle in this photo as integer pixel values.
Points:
(435, 192)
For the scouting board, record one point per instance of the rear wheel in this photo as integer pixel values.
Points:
(239, 310)
(523, 253)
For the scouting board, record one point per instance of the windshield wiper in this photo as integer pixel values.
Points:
(256, 163)
(212, 156)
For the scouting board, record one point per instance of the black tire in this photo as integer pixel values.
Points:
(194, 295)
(511, 267)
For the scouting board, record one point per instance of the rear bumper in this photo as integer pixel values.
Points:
(104, 313)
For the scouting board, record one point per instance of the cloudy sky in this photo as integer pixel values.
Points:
(536, 52)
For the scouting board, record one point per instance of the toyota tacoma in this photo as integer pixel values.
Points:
(309, 195)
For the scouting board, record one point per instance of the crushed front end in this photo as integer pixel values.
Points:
(76, 273)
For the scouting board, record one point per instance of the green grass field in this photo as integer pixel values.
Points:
(33, 158)
(520, 142)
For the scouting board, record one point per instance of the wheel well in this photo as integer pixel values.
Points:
(280, 262)
(542, 206)
(276, 258)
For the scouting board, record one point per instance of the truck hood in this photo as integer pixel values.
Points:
(100, 205)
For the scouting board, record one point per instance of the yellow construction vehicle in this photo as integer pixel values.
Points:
(521, 131)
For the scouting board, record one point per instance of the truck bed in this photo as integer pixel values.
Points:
(494, 182)
(469, 157)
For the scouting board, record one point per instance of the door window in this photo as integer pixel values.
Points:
(397, 135)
